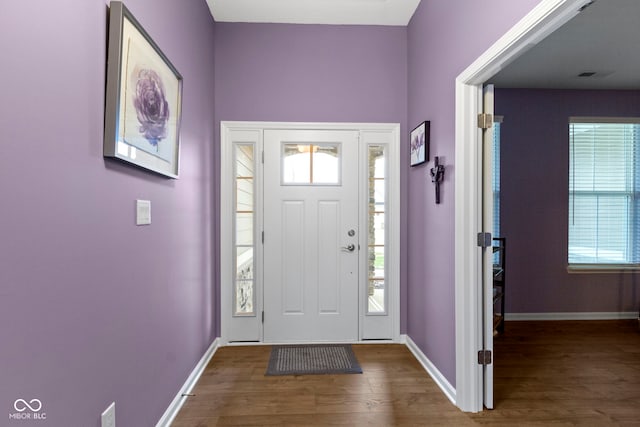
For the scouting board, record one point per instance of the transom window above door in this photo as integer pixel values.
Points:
(311, 164)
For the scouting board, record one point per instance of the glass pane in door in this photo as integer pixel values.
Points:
(376, 219)
(244, 220)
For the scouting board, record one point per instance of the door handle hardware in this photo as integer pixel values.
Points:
(349, 248)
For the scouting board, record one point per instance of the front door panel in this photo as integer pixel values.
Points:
(310, 258)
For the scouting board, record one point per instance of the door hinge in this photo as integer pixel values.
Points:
(263, 157)
(263, 317)
(484, 240)
(263, 237)
(485, 120)
(484, 357)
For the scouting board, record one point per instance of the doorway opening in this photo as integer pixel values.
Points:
(471, 380)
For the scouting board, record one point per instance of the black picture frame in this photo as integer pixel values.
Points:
(419, 143)
(143, 99)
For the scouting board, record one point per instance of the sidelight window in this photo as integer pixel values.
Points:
(244, 224)
(376, 219)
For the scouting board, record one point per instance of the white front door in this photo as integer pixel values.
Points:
(310, 235)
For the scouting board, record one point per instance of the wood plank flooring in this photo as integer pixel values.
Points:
(546, 373)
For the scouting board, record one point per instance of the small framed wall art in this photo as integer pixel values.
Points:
(143, 98)
(419, 140)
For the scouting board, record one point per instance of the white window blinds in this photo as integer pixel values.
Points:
(495, 179)
(603, 191)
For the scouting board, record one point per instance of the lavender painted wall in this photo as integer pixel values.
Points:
(312, 73)
(535, 162)
(444, 37)
(92, 308)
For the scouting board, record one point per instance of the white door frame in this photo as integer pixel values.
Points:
(545, 18)
(369, 133)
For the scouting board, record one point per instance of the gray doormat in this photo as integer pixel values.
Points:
(312, 360)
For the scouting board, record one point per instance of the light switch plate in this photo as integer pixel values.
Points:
(108, 417)
(143, 212)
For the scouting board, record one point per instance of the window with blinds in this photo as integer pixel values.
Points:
(604, 210)
(495, 179)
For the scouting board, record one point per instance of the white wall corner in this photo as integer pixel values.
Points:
(177, 402)
(431, 369)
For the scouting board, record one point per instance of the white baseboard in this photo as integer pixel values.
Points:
(431, 369)
(598, 315)
(175, 405)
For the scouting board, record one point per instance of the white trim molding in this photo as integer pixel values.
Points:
(431, 369)
(177, 402)
(596, 315)
(545, 18)
(271, 344)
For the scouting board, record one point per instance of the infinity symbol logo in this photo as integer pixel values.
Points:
(21, 405)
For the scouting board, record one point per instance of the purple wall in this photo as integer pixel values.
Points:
(280, 72)
(444, 37)
(312, 73)
(92, 308)
(535, 162)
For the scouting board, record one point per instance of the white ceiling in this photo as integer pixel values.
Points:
(337, 12)
(604, 38)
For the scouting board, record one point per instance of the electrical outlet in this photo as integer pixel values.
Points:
(108, 417)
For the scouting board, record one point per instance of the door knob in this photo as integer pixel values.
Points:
(349, 248)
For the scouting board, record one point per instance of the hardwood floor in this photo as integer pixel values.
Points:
(573, 373)
(546, 373)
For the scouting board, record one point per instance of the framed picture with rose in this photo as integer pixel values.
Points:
(143, 98)
(419, 143)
